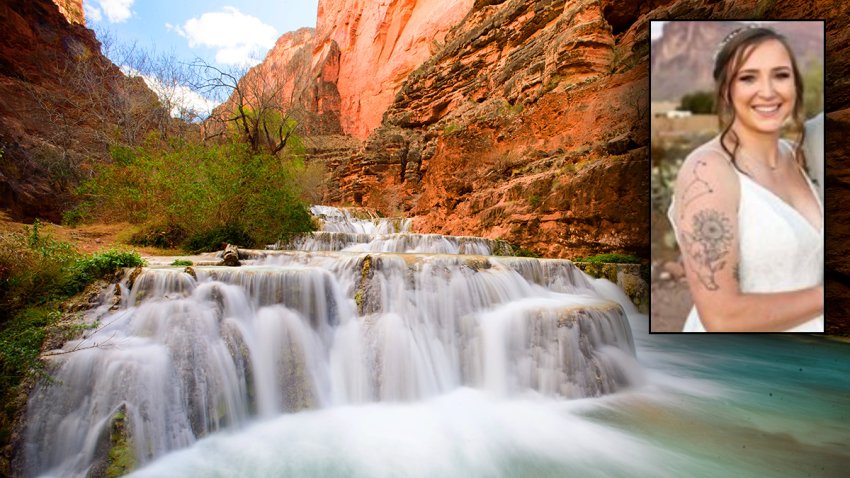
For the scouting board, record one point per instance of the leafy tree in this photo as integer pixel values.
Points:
(198, 189)
(698, 103)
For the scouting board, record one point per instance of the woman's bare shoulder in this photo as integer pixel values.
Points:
(708, 163)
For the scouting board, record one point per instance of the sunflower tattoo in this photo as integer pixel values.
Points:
(708, 243)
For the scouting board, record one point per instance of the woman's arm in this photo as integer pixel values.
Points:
(707, 197)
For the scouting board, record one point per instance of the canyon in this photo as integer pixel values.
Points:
(522, 121)
(493, 118)
(525, 121)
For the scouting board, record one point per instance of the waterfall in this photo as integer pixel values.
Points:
(366, 312)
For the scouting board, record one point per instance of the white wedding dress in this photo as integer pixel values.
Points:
(779, 249)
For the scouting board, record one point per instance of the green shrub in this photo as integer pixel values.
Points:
(97, 266)
(205, 189)
(181, 262)
(20, 343)
(523, 252)
(216, 239)
(37, 273)
(610, 258)
(74, 216)
(519, 251)
(164, 236)
(699, 103)
(33, 269)
(36, 269)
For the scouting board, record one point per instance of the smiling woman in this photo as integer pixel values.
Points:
(748, 220)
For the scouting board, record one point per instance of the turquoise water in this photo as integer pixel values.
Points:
(707, 406)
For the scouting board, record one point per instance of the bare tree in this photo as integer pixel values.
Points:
(91, 104)
(254, 106)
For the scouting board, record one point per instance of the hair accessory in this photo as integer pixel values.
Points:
(732, 35)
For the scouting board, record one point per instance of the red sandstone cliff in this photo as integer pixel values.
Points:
(301, 78)
(343, 75)
(380, 44)
(59, 99)
(72, 10)
(524, 120)
(529, 124)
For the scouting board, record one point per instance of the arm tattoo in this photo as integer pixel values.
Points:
(707, 244)
(695, 189)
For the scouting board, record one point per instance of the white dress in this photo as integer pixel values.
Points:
(779, 250)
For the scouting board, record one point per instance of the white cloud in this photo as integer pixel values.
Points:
(116, 11)
(92, 13)
(239, 39)
(184, 101)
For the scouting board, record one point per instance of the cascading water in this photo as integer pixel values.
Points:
(187, 355)
(375, 359)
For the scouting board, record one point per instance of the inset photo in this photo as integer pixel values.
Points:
(737, 176)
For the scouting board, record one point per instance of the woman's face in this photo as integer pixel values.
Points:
(762, 90)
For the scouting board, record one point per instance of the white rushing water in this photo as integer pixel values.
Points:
(342, 338)
(376, 360)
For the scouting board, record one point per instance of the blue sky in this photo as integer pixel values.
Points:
(237, 33)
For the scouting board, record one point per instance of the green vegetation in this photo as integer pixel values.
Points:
(122, 456)
(616, 57)
(518, 251)
(813, 88)
(218, 238)
(523, 252)
(199, 196)
(37, 273)
(88, 269)
(698, 103)
(182, 262)
(553, 82)
(164, 236)
(452, 127)
(609, 259)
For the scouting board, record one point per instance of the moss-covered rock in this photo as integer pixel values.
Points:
(115, 453)
(629, 277)
(122, 456)
(366, 288)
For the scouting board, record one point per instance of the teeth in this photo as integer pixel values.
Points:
(766, 109)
